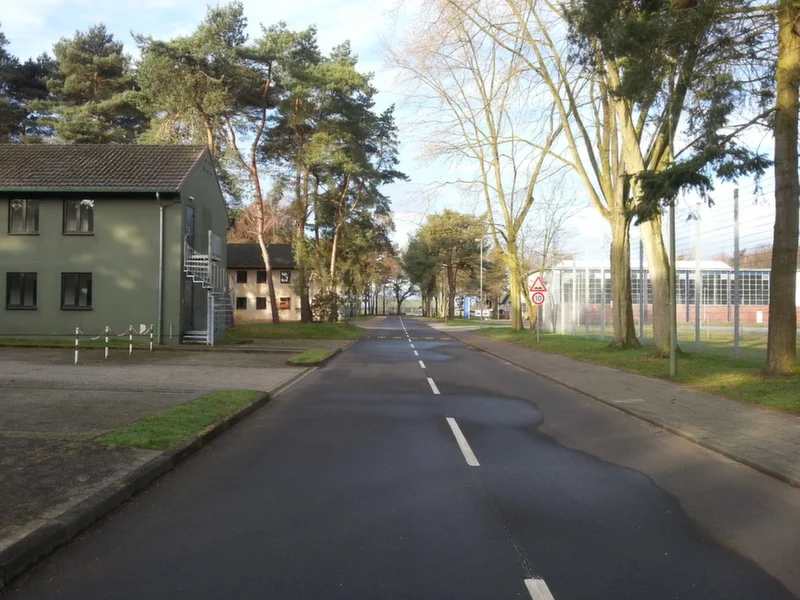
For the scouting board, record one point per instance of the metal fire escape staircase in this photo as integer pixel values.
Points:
(205, 270)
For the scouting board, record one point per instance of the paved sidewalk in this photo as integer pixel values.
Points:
(758, 437)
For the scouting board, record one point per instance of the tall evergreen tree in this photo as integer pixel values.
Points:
(22, 87)
(94, 90)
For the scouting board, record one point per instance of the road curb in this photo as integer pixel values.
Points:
(21, 555)
(325, 360)
(700, 441)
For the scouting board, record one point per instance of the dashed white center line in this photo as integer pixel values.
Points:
(433, 386)
(421, 364)
(412, 345)
(416, 353)
(469, 455)
(538, 589)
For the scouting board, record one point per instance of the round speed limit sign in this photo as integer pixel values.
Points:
(537, 298)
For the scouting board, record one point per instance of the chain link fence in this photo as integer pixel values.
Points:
(724, 253)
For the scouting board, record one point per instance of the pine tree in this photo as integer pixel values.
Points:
(22, 87)
(94, 91)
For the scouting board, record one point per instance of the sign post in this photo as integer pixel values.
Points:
(537, 290)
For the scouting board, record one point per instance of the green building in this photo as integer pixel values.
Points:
(112, 235)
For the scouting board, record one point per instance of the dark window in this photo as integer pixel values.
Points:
(284, 304)
(21, 290)
(79, 217)
(286, 276)
(23, 216)
(261, 277)
(241, 303)
(261, 304)
(76, 291)
(241, 276)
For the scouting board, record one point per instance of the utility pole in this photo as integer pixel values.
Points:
(673, 315)
(736, 284)
(481, 282)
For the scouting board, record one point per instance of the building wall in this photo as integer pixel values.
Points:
(252, 291)
(121, 255)
(201, 192)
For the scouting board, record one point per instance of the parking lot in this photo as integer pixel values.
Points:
(51, 409)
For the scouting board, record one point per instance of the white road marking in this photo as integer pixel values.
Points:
(538, 589)
(631, 400)
(433, 386)
(412, 345)
(469, 455)
(416, 353)
(421, 364)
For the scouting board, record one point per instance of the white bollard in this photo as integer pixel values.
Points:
(105, 351)
(151, 338)
(77, 335)
(130, 340)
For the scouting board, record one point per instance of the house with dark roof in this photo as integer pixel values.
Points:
(95, 236)
(247, 278)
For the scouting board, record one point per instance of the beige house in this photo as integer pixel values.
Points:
(248, 282)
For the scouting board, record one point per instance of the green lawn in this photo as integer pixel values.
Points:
(167, 429)
(298, 331)
(737, 379)
(312, 355)
(713, 340)
(476, 322)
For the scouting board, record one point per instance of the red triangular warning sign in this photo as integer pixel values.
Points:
(538, 285)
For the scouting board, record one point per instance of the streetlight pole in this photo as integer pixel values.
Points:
(482, 307)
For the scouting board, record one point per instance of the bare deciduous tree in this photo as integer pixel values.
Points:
(474, 94)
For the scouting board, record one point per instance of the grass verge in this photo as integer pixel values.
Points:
(297, 331)
(167, 429)
(473, 322)
(313, 355)
(737, 379)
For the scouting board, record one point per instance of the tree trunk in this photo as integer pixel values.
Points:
(622, 311)
(451, 293)
(515, 284)
(305, 303)
(334, 246)
(273, 302)
(782, 335)
(658, 266)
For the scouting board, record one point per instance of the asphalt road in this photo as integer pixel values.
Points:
(380, 476)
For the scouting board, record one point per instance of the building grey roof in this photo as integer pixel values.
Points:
(96, 167)
(248, 256)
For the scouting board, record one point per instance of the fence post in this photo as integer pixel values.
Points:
(77, 335)
(105, 349)
(698, 283)
(642, 288)
(588, 300)
(561, 310)
(130, 340)
(151, 338)
(736, 284)
(602, 303)
(574, 297)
